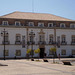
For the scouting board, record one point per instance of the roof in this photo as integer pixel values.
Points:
(34, 16)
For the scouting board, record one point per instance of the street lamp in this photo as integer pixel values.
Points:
(4, 32)
(32, 35)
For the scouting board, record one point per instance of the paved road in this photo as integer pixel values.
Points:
(25, 67)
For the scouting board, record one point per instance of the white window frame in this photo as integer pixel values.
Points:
(3, 23)
(40, 25)
(31, 23)
(17, 22)
(49, 24)
(62, 24)
(71, 25)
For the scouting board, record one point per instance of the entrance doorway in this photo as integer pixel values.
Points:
(42, 52)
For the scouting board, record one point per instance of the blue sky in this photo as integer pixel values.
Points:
(63, 8)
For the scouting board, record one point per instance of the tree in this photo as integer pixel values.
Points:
(37, 51)
(28, 52)
(53, 50)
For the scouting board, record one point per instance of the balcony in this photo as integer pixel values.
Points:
(6, 42)
(18, 42)
(51, 43)
(42, 42)
(30, 42)
(72, 43)
(63, 43)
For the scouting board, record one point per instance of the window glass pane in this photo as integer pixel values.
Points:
(51, 52)
(5, 22)
(18, 38)
(73, 52)
(6, 52)
(18, 52)
(17, 23)
(63, 52)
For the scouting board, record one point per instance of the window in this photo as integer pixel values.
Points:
(6, 37)
(51, 52)
(31, 36)
(63, 52)
(41, 24)
(18, 52)
(32, 52)
(6, 52)
(23, 41)
(18, 37)
(5, 23)
(73, 52)
(31, 23)
(62, 25)
(51, 38)
(73, 38)
(50, 24)
(72, 25)
(41, 38)
(63, 38)
(17, 23)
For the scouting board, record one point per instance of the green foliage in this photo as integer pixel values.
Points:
(37, 51)
(28, 51)
(53, 49)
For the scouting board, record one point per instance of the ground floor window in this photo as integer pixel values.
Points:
(63, 52)
(32, 52)
(6, 52)
(18, 52)
(73, 52)
(51, 52)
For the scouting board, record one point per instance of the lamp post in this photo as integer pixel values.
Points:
(32, 35)
(4, 32)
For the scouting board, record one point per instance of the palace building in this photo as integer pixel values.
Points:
(20, 31)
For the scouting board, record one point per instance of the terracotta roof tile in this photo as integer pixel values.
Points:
(34, 16)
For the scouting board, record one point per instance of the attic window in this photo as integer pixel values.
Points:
(5, 23)
(62, 25)
(17, 23)
(31, 23)
(41, 24)
(72, 25)
(50, 24)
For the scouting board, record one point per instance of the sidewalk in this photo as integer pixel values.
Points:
(27, 67)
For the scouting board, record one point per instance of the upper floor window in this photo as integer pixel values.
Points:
(5, 23)
(17, 23)
(63, 38)
(50, 24)
(51, 38)
(62, 25)
(72, 25)
(31, 23)
(41, 24)
(41, 37)
(18, 37)
(73, 38)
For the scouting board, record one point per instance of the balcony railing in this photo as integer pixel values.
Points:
(72, 43)
(51, 42)
(18, 42)
(63, 43)
(30, 42)
(6, 42)
(42, 42)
